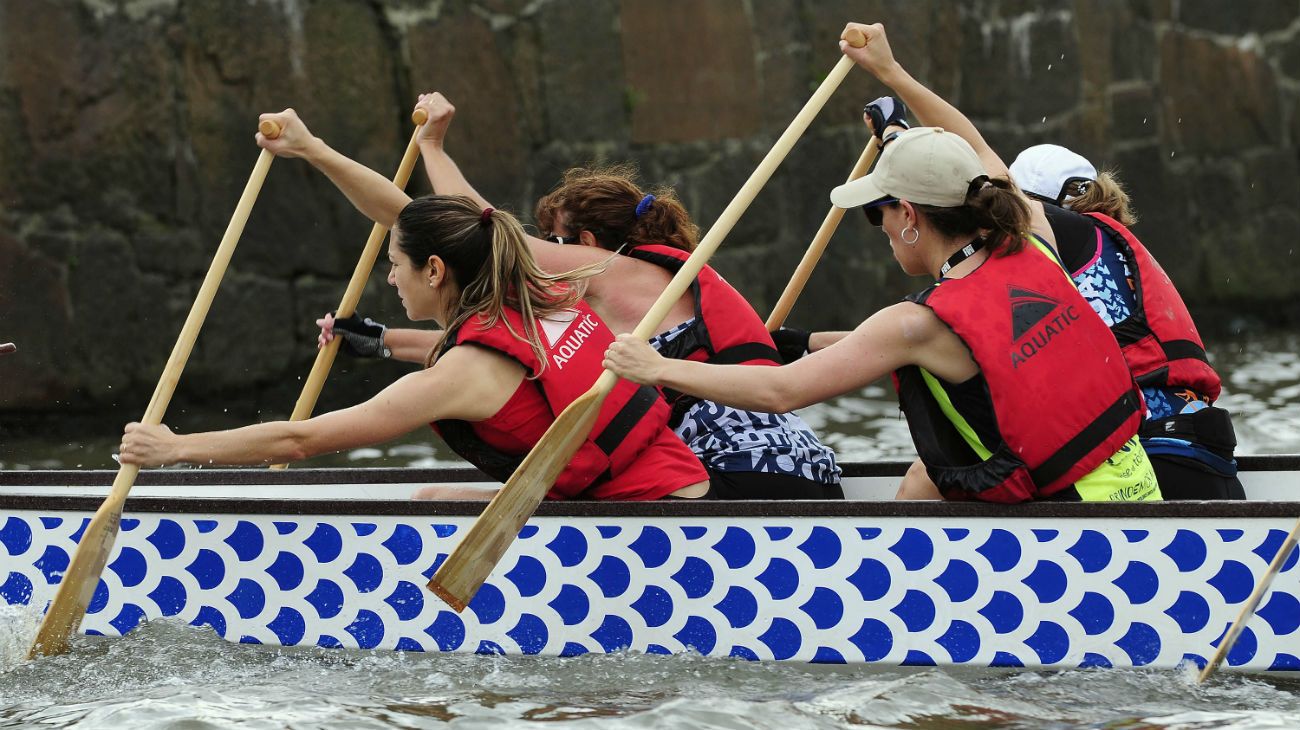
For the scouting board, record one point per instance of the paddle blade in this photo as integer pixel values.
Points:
(459, 578)
(77, 587)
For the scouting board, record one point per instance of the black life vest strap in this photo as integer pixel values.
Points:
(1184, 350)
(460, 436)
(626, 419)
(1086, 440)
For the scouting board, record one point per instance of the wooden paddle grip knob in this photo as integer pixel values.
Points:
(420, 116)
(854, 37)
(268, 128)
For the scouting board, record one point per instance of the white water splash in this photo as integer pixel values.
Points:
(18, 627)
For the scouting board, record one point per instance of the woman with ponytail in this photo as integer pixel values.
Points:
(1012, 388)
(749, 455)
(536, 346)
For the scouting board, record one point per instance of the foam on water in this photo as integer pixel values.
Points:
(170, 675)
(18, 627)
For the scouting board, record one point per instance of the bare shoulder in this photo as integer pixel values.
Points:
(469, 362)
(914, 323)
(470, 382)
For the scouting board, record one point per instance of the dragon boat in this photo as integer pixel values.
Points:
(339, 558)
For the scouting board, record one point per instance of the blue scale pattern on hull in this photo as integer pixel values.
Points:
(893, 590)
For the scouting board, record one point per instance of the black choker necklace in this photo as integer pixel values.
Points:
(966, 252)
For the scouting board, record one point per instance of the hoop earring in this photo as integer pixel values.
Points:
(915, 237)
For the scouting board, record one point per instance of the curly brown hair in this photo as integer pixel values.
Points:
(603, 200)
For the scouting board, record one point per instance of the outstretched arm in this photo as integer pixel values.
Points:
(456, 387)
(373, 194)
(891, 338)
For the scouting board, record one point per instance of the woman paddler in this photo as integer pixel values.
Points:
(533, 346)
(1189, 439)
(1012, 388)
(749, 454)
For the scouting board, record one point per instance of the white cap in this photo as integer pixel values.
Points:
(924, 165)
(1044, 170)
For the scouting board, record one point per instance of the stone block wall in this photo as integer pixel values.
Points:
(126, 135)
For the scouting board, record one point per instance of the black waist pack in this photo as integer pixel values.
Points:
(1210, 427)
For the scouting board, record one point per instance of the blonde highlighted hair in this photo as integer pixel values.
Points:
(1104, 195)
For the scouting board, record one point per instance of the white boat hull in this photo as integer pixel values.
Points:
(1043, 585)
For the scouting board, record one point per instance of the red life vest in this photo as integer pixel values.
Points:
(726, 329)
(1159, 339)
(1040, 349)
(632, 420)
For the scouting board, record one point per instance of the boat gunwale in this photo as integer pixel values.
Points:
(775, 509)
(261, 476)
(580, 508)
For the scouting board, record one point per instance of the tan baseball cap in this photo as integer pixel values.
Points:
(925, 165)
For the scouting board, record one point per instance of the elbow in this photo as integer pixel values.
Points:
(779, 399)
(295, 446)
(293, 453)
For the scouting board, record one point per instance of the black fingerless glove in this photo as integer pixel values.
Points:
(885, 112)
(791, 343)
(362, 336)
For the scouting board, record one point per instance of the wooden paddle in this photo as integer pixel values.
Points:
(7, 348)
(1252, 602)
(360, 275)
(459, 578)
(63, 617)
(818, 246)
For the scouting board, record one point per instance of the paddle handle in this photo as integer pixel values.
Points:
(727, 220)
(77, 587)
(818, 246)
(7, 348)
(320, 369)
(1252, 602)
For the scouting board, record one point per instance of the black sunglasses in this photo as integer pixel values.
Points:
(1072, 188)
(875, 211)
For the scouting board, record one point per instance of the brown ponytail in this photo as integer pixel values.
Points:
(604, 200)
(488, 256)
(996, 206)
(1104, 195)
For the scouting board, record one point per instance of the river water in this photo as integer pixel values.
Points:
(1261, 388)
(167, 675)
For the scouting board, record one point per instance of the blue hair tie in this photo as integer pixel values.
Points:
(644, 205)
